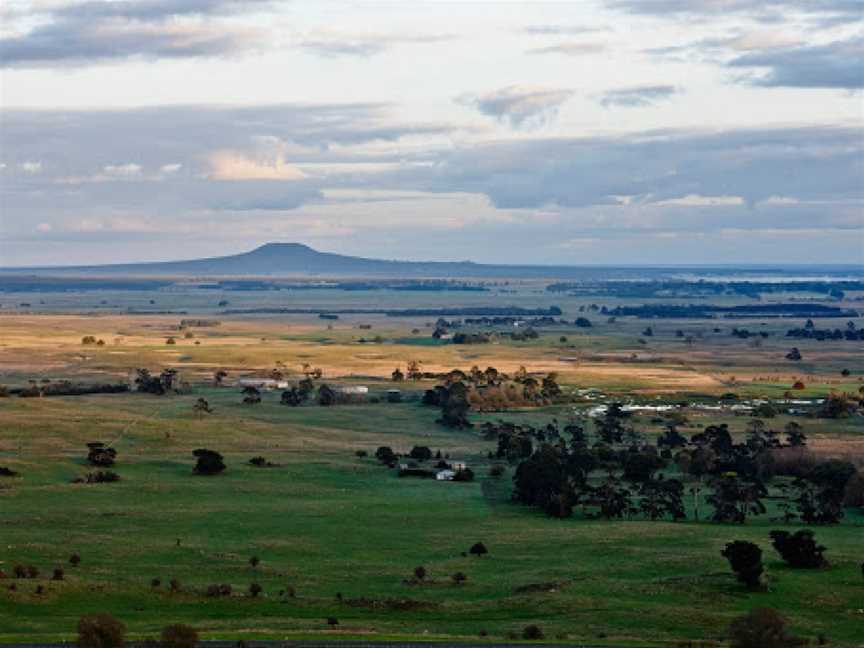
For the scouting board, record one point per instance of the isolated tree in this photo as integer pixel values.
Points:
(478, 549)
(293, 397)
(100, 455)
(795, 436)
(251, 395)
(179, 636)
(255, 589)
(413, 371)
(421, 453)
(459, 578)
(219, 376)
(326, 396)
(794, 355)
(397, 375)
(385, 455)
(761, 628)
(209, 462)
(101, 631)
(201, 407)
(745, 559)
(420, 573)
(532, 633)
(799, 549)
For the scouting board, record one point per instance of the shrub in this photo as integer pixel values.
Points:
(58, 574)
(32, 571)
(532, 633)
(7, 472)
(101, 631)
(174, 585)
(745, 559)
(75, 559)
(179, 636)
(420, 573)
(332, 621)
(254, 561)
(799, 549)
(496, 470)
(478, 549)
(459, 578)
(255, 589)
(215, 591)
(464, 475)
(761, 628)
(361, 453)
(155, 582)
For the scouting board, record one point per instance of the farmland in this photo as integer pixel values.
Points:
(339, 535)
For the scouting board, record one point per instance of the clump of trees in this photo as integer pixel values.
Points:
(167, 382)
(209, 462)
(761, 628)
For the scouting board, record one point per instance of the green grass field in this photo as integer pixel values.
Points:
(326, 522)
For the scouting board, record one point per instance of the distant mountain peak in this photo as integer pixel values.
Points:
(277, 246)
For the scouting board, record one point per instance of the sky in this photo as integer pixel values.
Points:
(581, 132)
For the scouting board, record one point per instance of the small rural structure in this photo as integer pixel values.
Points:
(262, 383)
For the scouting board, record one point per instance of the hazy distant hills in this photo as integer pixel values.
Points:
(295, 259)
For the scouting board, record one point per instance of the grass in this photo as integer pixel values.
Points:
(326, 522)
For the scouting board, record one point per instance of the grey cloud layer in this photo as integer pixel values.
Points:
(835, 65)
(88, 32)
(832, 10)
(75, 155)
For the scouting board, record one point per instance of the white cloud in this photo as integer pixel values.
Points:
(234, 165)
(31, 167)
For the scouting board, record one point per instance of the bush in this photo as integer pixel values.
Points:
(58, 574)
(75, 559)
(215, 591)
(101, 631)
(255, 589)
(179, 636)
(464, 475)
(459, 578)
(799, 549)
(745, 559)
(496, 470)
(478, 549)
(532, 633)
(761, 628)
(209, 462)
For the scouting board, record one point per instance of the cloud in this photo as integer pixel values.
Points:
(228, 177)
(232, 165)
(30, 167)
(835, 65)
(830, 11)
(637, 96)
(806, 164)
(562, 30)
(127, 170)
(570, 49)
(90, 32)
(519, 105)
(331, 45)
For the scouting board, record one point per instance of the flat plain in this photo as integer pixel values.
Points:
(338, 536)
